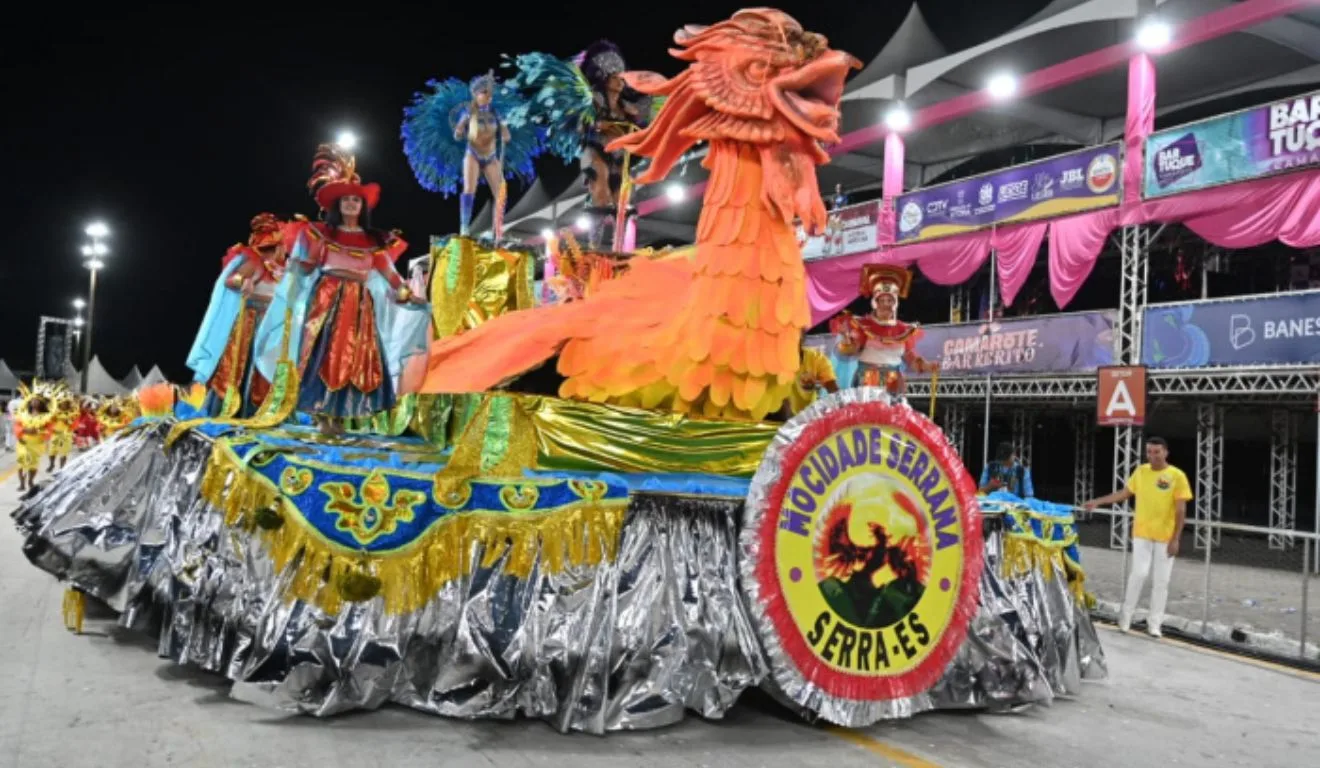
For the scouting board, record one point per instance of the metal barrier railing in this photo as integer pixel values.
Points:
(1308, 539)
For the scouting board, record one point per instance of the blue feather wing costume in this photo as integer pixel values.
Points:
(437, 157)
(561, 102)
(558, 101)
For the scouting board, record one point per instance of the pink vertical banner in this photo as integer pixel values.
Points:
(894, 156)
(1140, 123)
(892, 186)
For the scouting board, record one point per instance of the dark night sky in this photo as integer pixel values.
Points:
(177, 127)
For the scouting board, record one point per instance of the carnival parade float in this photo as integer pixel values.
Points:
(405, 519)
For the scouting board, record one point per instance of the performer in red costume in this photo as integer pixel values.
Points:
(341, 292)
(221, 357)
(86, 429)
(884, 345)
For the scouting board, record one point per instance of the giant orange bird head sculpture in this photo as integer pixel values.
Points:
(758, 79)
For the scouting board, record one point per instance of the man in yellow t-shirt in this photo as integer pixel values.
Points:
(816, 372)
(1162, 493)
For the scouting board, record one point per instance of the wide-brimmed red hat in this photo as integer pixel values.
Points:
(334, 175)
(329, 194)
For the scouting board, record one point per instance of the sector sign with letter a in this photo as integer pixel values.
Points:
(1121, 396)
(861, 555)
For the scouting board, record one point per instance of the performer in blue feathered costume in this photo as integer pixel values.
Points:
(464, 131)
(583, 104)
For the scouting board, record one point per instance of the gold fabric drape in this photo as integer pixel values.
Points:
(471, 284)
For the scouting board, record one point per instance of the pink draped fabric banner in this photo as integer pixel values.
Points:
(1283, 208)
(1015, 254)
(1075, 245)
(833, 283)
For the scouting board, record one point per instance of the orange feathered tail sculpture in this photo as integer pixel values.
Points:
(717, 335)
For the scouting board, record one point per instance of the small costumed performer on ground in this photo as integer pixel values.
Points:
(884, 346)
(458, 133)
(67, 410)
(114, 414)
(86, 428)
(355, 323)
(32, 428)
(221, 356)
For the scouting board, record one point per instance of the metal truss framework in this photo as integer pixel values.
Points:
(1291, 384)
(1283, 477)
(1209, 472)
(1083, 457)
(955, 427)
(66, 353)
(1127, 457)
(1021, 435)
(1132, 291)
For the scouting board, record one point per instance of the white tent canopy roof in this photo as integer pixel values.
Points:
(154, 376)
(99, 382)
(8, 380)
(132, 380)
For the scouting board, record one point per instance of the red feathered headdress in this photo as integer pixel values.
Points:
(334, 175)
(885, 278)
(267, 231)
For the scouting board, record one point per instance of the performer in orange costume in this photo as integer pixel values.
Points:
(221, 356)
(885, 345)
(718, 334)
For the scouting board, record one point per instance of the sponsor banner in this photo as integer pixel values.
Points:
(863, 551)
(1120, 399)
(1276, 329)
(850, 229)
(1074, 342)
(1060, 185)
(1256, 142)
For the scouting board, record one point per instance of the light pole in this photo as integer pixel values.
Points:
(78, 322)
(93, 253)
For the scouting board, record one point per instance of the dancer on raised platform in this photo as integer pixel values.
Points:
(457, 132)
(340, 292)
(221, 356)
(884, 345)
(584, 104)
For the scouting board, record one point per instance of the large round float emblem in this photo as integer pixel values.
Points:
(861, 555)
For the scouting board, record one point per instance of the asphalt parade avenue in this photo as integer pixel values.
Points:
(1165, 704)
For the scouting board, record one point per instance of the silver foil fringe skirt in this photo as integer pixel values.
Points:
(628, 644)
